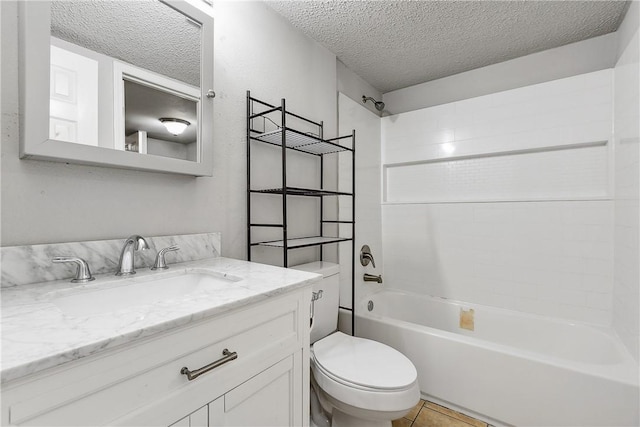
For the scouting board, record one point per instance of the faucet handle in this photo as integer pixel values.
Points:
(83, 274)
(366, 256)
(160, 263)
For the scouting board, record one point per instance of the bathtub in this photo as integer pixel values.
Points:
(512, 368)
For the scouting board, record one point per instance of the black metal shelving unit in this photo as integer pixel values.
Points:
(311, 143)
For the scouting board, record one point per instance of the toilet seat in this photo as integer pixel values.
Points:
(364, 374)
(363, 364)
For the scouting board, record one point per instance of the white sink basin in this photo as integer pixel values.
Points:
(149, 290)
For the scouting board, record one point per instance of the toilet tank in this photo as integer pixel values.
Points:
(325, 309)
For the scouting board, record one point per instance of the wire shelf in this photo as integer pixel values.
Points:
(304, 242)
(295, 191)
(299, 141)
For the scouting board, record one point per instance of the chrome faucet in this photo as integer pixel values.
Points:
(126, 265)
(366, 256)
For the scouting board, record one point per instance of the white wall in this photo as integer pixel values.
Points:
(176, 150)
(353, 86)
(626, 301)
(530, 225)
(593, 54)
(255, 49)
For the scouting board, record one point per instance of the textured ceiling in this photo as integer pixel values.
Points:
(145, 33)
(395, 44)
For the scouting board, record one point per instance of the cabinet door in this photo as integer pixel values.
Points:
(270, 399)
(199, 418)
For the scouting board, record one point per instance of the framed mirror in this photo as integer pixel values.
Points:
(117, 83)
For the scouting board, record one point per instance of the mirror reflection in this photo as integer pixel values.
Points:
(113, 76)
(159, 123)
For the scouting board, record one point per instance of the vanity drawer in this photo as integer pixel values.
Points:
(107, 387)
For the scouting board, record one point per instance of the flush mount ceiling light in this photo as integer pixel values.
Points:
(174, 126)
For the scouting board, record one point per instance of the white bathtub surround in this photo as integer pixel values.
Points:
(494, 147)
(504, 199)
(37, 335)
(626, 292)
(503, 176)
(354, 115)
(32, 264)
(548, 258)
(517, 368)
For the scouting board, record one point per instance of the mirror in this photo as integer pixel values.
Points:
(118, 83)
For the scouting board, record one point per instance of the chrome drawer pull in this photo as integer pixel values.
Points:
(228, 357)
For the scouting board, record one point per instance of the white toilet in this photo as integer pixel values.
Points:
(358, 382)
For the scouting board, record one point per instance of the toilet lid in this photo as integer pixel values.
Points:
(364, 362)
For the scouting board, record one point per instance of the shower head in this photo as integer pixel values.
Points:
(378, 104)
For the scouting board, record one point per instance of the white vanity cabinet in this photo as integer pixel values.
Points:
(141, 383)
(268, 399)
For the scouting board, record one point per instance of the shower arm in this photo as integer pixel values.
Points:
(379, 105)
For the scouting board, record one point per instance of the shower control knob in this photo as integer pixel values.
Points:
(366, 256)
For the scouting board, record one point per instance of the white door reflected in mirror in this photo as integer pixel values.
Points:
(73, 105)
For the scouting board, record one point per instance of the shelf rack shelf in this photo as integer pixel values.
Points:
(295, 191)
(299, 141)
(304, 242)
(288, 138)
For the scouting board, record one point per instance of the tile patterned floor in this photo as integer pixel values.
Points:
(428, 414)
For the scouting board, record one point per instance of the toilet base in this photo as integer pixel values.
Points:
(340, 419)
(345, 415)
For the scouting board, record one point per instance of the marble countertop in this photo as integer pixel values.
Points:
(37, 335)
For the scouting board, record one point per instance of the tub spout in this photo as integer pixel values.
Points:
(372, 278)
